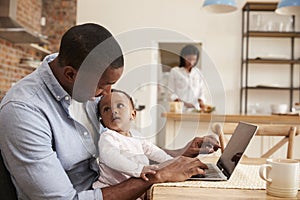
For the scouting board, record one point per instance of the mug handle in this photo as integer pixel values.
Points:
(262, 170)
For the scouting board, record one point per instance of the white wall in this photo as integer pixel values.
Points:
(220, 34)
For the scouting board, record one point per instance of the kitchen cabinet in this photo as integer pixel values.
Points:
(260, 23)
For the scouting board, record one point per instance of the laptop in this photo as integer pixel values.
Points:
(233, 151)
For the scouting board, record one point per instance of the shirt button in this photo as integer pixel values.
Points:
(58, 97)
(67, 98)
(85, 133)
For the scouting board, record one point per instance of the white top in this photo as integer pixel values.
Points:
(188, 87)
(122, 157)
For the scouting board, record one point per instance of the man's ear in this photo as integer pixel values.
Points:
(70, 73)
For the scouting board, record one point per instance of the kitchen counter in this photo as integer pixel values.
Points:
(261, 119)
(182, 127)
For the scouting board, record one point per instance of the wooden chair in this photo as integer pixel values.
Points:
(7, 188)
(288, 133)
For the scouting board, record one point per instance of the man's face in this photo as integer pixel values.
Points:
(108, 78)
(116, 112)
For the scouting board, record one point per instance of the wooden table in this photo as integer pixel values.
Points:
(186, 193)
(159, 192)
(178, 125)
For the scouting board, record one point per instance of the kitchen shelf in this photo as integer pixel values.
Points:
(289, 62)
(21, 35)
(259, 6)
(272, 34)
(36, 47)
(269, 88)
(270, 61)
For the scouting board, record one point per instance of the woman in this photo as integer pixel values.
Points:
(185, 80)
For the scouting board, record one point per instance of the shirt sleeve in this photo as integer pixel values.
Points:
(110, 155)
(26, 145)
(155, 153)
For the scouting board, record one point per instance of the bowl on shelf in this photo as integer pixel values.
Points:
(279, 108)
(297, 106)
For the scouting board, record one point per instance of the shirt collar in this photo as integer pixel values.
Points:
(51, 82)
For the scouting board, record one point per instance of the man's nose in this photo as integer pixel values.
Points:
(106, 90)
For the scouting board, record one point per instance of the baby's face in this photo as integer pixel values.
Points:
(116, 112)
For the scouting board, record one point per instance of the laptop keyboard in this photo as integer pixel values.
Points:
(243, 177)
(211, 172)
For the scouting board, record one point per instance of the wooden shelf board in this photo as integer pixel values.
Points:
(36, 47)
(260, 6)
(268, 88)
(272, 34)
(272, 61)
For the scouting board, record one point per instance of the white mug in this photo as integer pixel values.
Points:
(176, 106)
(281, 176)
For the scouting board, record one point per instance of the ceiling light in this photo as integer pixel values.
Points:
(288, 7)
(220, 6)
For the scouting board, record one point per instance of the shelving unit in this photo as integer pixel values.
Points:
(37, 47)
(247, 62)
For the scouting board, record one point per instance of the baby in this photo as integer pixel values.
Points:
(121, 155)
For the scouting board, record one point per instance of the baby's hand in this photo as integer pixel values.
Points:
(150, 169)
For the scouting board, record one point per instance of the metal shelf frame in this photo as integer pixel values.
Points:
(246, 61)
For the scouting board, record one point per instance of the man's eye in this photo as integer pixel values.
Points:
(120, 105)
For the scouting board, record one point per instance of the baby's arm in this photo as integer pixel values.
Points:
(110, 155)
(155, 153)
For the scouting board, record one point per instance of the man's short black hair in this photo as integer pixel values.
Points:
(80, 40)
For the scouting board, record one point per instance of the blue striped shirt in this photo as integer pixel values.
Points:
(48, 153)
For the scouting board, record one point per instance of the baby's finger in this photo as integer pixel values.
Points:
(150, 172)
(153, 167)
(144, 177)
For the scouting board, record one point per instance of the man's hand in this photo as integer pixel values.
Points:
(201, 145)
(179, 169)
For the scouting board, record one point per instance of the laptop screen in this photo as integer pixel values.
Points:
(236, 147)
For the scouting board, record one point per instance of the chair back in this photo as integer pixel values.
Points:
(286, 132)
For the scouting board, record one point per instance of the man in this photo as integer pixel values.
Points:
(48, 124)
